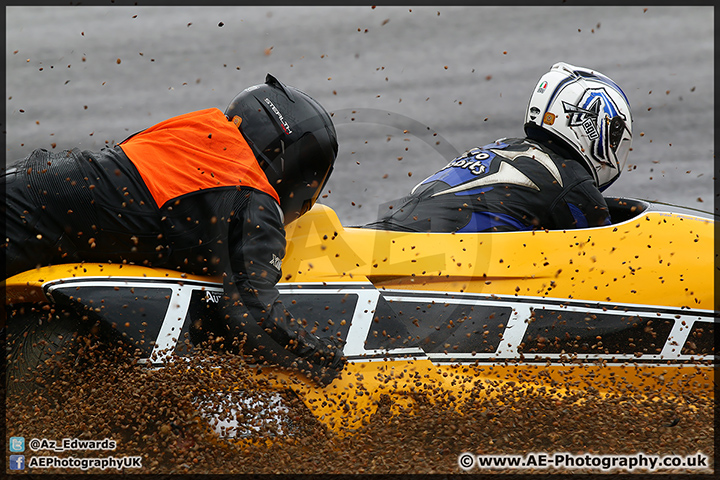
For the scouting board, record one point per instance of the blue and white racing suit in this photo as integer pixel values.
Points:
(509, 185)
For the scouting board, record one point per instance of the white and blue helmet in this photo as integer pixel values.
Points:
(588, 114)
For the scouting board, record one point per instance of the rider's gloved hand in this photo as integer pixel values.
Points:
(323, 352)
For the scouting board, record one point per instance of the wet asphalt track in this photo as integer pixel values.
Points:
(89, 76)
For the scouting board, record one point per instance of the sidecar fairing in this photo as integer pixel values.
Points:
(627, 307)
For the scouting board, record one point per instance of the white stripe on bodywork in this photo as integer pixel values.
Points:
(175, 314)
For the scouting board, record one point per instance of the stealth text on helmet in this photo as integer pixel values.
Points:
(285, 126)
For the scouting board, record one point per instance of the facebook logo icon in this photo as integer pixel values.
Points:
(17, 462)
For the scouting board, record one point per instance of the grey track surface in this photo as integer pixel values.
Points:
(90, 76)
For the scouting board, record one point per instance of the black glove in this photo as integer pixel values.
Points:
(324, 352)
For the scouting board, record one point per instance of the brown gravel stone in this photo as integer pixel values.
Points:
(154, 413)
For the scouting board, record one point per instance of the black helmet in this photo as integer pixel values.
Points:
(293, 139)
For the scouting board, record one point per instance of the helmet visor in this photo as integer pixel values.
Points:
(620, 140)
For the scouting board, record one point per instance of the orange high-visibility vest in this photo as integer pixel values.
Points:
(195, 151)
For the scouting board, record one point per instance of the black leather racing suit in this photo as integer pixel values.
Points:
(75, 206)
(512, 184)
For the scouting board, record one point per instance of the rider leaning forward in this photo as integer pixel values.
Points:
(205, 193)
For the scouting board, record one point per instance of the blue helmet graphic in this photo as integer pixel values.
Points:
(588, 114)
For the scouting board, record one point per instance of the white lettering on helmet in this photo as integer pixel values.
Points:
(285, 126)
